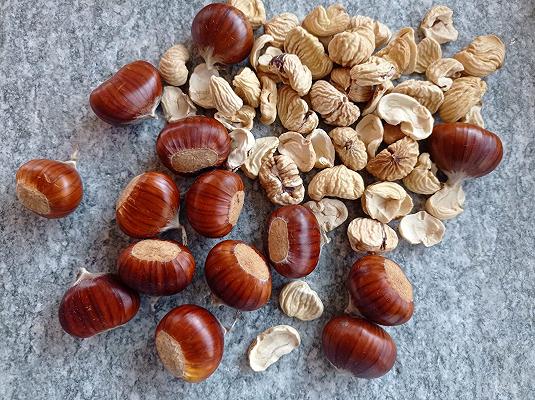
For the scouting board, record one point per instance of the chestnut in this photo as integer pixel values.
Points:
(214, 203)
(193, 144)
(156, 267)
(380, 290)
(294, 241)
(129, 96)
(190, 341)
(222, 34)
(96, 303)
(49, 188)
(148, 205)
(358, 346)
(238, 275)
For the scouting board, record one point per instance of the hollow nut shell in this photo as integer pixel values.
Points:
(298, 300)
(271, 345)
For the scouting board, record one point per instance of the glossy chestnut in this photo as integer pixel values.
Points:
(238, 275)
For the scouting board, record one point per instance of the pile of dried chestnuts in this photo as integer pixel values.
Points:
(331, 68)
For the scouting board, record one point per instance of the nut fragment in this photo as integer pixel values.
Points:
(268, 100)
(294, 113)
(299, 149)
(349, 148)
(401, 51)
(429, 50)
(369, 235)
(483, 56)
(258, 46)
(242, 142)
(280, 179)
(385, 201)
(253, 9)
(323, 148)
(381, 32)
(247, 86)
(352, 47)
(370, 131)
(361, 94)
(309, 50)
(271, 345)
(327, 22)
(462, 96)
(176, 104)
(438, 24)
(330, 214)
(199, 86)
(474, 116)
(333, 105)
(341, 79)
(426, 93)
(279, 26)
(173, 65)
(421, 228)
(226, 101)
(338, 181)
(378, 92)
(292, 72)
(375, 71)
(298, 300)
(447, 203)
(443, 71)
(396, 161)
(422, 179)
(392, 133)
(243, 118)
(263, 147)
(264, 61)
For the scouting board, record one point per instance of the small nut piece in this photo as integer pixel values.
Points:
(422, 179)
(263, 147)
(247, 86)
(242, 142)
(176, 104)
(291, 72)
(369, 235)
(341, 79)
(280, 179)
(309, 50)
(401, 51)
(429, 50)
(333, 105)
(327, 22)
(421, 228)
(349, 148)
(323, 148)
(243, 118)
(258, 46)
(385, 201)
(338, 181)
(381, 32)
(472, 117)
(438, 24)
(199, 86)
(396, 161)
(299, 149)
(268, 100)
(378, 92)
(370, 131)
(463, 95)
(298, 300)
(330, 213)
(279, 26)
(447, 203)
(426, 93)
(173, 65)
(375, 71)
(226, 101)
(483, 56)
(442, 72)
(271, 345)
(352, 47)
(253, 9)
(294, 113)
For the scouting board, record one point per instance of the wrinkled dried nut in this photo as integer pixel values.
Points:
(338, 181)
(243, 118)
(483, 56)
(361, 94)
(349, 147)
(385, 201)
(294, 113)
(173, 65)
(422, 179)
(268, 100)
(226, 101)
(253, 9)
(258, 46)
(378, 92)
(291, 72)
(263, 147)
(333, 105)
(247, 86)
(298, 300)
(375, 71)
(429, 50)
(370, 131)
(438, 24)
(442, 72)
(271, 345)
(199, 86)
(401, 51)
(369, 235)
(392, 133)
(447, 203)
(341, 79)
(280, 179)
(330, 214)
(472, 117)
(421, 228)
(299, 149)
(242, 143)
(279, 26)
(426, 93)
(352, 47)
(176, 104)
(381, 32)
(327, 22)
(323, 148)
(309, 50)
(396, 161)
(413, 119)
(462, 96)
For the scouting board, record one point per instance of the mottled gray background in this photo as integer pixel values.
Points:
(472, 336)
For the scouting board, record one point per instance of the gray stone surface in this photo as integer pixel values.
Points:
(472, 335)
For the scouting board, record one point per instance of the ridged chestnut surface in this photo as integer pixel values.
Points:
(214, 203)
(193, 144)
(293, 241)
(238, 275)
(190, 341)
(148, 205)
(380, 290)
(358, 346)
(156, 267)
(129, 96)
(96, 303)
(51, 189)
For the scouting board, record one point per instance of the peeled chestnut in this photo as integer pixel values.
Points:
(156, 267)
(190, 341)
(192, 144)
(380, 290)
(238, 275)
(214, 203)
(358, 346)
(96, 303)
(148, 205)
(222, 34)
(129, 96)
(51, 189)
(293, 241)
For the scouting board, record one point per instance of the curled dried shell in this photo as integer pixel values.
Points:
(338, 181)
(226, 101)
(173, 65)
(375, 71)
(341, 79)
(199, 86)
(330, 214)
(327, 22)
(349, 148)
(271, 345)
(242, 143)
(352, 47)
(429, 50)
(291, 71)
(263, 147)
(298, 300)
(422, 179)
(370, 131)
(378, 92)
(442, 72)
(243, 118)
(254, 10)
(258, 47)
(323, 147)
(381, 32)
(294, 113)
(280, 179)
(268, 100)
(299, 149)
(401, 51)
(483, 56)
(385, 201)
(474, 116)
(333, 105)
(447, 203)
(421, 228)
(438, 24)
(462, 96)
(396, 161)
(176, 104)
(426, 93)
(369, 235)
(309, 50)
(247, 86)
(279, 26)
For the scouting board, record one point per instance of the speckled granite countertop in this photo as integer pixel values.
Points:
(472, 335)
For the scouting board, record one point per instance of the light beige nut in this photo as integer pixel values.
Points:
(298, 300)
(361, 94)
(279, 26)
(294, 112)
(327, 22)
(370, 131)
(369, 235)
(323, 148)
(268, 100)
(271, 345)
(381, 32)
(292, 72)
(341, 79)
(483, 56)
(264, 61)
(330, 214)
(447, 203)
(396, 161)
(247, 86)
(426, 93)
(299, 149)
(176, 104)
(243, 118)
(333, 105)
(429, 50)
(462, 96)
(173, 65)
(421, 228)
(385, 201)
(438, 24)
(199, 86)
(309, 50)
(242, 143)
(442, 72)
(474, 116)
(254, 10)
(378, 92)
(226, 101)
(265, 146)
(280, 179)
(413, 119)
(392, 133)
(422, 179)
(401, 51)
(257, 50)
(339, 181)
(375, 71)
(349, 148)
(352, 47)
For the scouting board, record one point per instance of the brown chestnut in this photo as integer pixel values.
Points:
(238, 275)
(51, 189)
(222, 34)
(96, 303)
(294, 241)
(214, 203)
(358, 346)
(148, 205)
(193, 144)
(129, 96)
(156, 267)
(190, 342)
(380, 290)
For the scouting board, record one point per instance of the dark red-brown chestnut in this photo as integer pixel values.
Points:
(358, 346)
(238, 275)
(96, 303)
(129, 96)
(190, 342)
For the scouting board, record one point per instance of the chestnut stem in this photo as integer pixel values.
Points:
(237, 316)
(83, 274)
(455, 179)
(73, 158)
(351, 308)
(175, 224)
